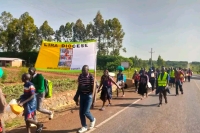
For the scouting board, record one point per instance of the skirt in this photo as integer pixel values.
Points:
(106, 93)
(142, 89)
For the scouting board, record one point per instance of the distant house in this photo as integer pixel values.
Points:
(13, 62)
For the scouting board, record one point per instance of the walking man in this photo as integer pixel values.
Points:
(189, 74)
(38, 81)
(163, 80)
(85, 89)
(172, 77)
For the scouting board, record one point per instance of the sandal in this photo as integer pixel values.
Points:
(109, 104)
(102, 109)
(39, 128)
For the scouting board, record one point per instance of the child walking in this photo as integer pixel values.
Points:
(2, 109)
(28, 102)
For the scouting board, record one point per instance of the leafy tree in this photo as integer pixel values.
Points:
(117, 37)
(5, 19)
(160, 61)
(79, 31)
(10, 37)
(65, 33)
(98, 33)
(27, 33)
(89, 31)
(46, 32)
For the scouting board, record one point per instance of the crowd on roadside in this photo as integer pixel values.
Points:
(34, 92)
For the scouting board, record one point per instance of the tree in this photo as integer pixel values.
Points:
(5, 19)
(117, 37)
(160, 61)
(65, 33)
(89, 31)
(46, 32)
(10, 37)
(98, 33)
(27, 33)
(79, 31)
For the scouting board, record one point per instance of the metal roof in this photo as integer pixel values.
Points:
(9, 59)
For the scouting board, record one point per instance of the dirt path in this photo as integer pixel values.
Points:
(68, 121)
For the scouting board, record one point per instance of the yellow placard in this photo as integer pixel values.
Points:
(66, 55)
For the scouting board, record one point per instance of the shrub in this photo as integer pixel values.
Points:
(4, 77)
(22, 71)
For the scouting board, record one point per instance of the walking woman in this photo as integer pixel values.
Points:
(136, 78)
(120, 78)
(144, 79)
(106, 91)
(85, 89)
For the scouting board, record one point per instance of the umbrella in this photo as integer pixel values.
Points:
(121, 68)
(1, 72)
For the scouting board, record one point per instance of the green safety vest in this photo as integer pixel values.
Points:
(162, 82)
(172, 74)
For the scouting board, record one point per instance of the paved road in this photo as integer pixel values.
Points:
(180, 115)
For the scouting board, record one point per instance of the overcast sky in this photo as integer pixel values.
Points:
(170, 27)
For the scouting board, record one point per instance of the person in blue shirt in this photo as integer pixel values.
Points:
(120, 78)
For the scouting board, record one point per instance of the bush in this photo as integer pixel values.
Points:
(22, 71)
(4, 77)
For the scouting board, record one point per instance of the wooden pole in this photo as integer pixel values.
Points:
(95, 83)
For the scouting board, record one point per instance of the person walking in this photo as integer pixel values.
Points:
(29, 103)
(85, 90)
(189, 72)
(179, 75)
(106, 91)
(163, 80)
(136, 78)
(120, 78)
(38, 81)
(144, 79)
(172, 77)
(152, 75)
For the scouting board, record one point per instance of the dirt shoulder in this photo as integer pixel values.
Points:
(68, 121)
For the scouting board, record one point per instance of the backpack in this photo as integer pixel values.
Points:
(48, 88)
(48, 85)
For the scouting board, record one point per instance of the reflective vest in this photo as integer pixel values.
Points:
(163, 81)
(172, 74)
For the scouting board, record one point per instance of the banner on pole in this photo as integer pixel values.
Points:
(64, 56)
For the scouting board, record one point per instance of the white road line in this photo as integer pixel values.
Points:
(197, 85)
(105, 121)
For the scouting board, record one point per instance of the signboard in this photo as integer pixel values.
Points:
(125, 64)
(66, 55)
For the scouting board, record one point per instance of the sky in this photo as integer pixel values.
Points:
(170, 27)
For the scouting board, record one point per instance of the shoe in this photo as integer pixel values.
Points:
(102, 109)
(51, 115)
(182, 92)
(159, 105)
(39, 128)
(32, 125)
(83, 129)
(92, 123)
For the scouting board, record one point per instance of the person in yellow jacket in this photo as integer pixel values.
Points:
(172, 77)
(163, 80)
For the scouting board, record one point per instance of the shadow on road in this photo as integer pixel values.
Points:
(23, 130)
(122, 98)
(137, 105)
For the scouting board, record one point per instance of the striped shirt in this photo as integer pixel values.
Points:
(86, 81)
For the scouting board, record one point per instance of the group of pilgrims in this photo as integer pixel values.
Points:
(159, 80)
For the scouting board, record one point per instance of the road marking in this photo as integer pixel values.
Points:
(105, 121)
(197, 85)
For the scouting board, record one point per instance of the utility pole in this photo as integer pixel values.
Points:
(151, 56)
